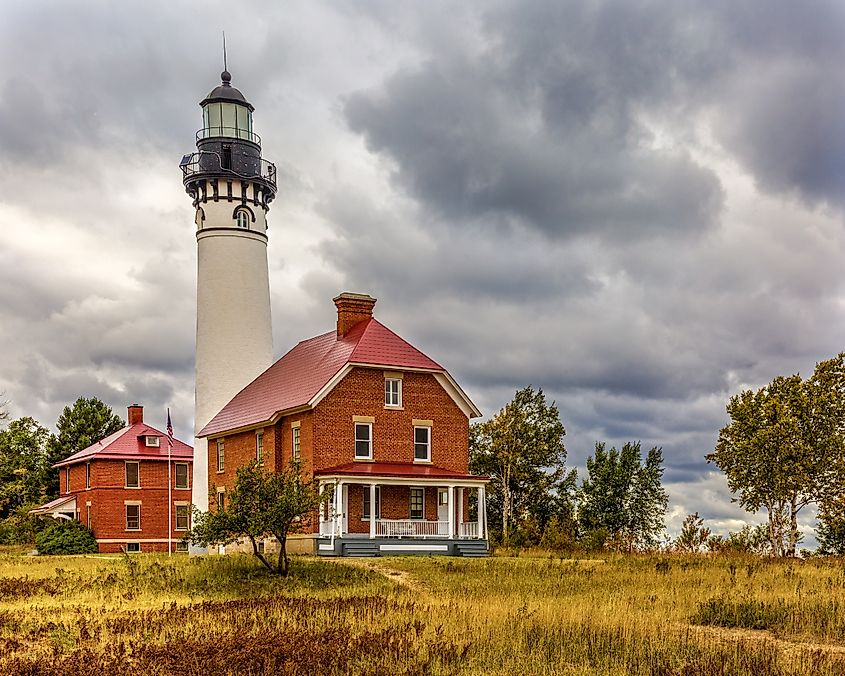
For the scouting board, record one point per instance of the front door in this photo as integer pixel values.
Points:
(443, 511)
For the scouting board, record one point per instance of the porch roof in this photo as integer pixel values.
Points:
(53, 504)
(397, 470)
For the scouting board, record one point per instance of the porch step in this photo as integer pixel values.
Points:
(363, 548)
(471, 548)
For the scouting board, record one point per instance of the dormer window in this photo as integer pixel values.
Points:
(152, 441)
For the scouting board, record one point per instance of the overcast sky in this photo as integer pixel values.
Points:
(636, 206)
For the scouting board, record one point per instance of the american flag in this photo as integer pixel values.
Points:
(169, 429)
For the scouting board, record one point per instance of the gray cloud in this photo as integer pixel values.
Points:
(636, 207)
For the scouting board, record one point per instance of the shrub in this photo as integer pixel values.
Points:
(65, 537)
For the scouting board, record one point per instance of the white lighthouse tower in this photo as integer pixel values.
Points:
(231, 187)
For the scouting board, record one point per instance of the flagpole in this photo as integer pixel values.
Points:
(169, 487)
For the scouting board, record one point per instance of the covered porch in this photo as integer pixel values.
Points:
(374, 509)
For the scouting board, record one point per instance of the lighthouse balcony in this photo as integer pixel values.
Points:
(207, 163)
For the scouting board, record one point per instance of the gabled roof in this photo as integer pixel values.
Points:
(129, 444)
(313, 365)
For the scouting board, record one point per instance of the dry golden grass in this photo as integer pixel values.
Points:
(531, 615)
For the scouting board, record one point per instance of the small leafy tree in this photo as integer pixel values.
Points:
(622, 497)
(748, 540)
(65, 536)
(694, 535)
(785, 449)
(84, 423)
(261, 504)
(521, 449)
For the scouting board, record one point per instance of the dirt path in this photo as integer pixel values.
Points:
(401, 577)
(739, 635)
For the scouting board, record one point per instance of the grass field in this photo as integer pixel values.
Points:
(652, 615)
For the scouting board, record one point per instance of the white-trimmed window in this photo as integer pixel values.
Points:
(181, 474)
(133, 475)
(133, 517)
(393, 392)
(87, 475)
(221, 500)
(221, 456)
(364, 441)
(67, 479)
(88, 516)
(295, 443)
(133, 547)
(422, 444)
(417, 506)
(182, 517)
(242, 218)
(259, 448)
(152, 441)
(182, 546)
(365, 512)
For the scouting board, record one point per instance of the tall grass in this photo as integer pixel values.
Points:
(224, 615)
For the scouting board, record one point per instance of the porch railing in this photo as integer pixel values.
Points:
(468, 530)
(411, 528)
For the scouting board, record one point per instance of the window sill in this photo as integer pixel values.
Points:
(133, 530)
(389, 407)
(422, 462)
(221, 471)
(181, 488)
(132, 488)
(363, 460)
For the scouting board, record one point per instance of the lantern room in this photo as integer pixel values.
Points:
(226, 113)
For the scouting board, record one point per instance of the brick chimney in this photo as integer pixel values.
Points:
(351, 309)
(136, 414)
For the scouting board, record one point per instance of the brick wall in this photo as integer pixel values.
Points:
(108, 494)
(361, 393)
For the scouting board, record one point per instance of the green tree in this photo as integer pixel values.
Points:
(784, 448)
(84, 423)
(693, 536)
(24, 465)
(262, 504)
(830, 531)
(521, 449)
(623, 497)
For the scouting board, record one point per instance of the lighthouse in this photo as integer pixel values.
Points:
(232, 187)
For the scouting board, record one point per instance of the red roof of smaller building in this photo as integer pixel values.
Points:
(397, 470)
(300, 374)
(129, 444)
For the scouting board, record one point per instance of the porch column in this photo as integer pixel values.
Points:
(482, 512)
(460, 508)
(338, 508)
(372, 511)
(450, 510)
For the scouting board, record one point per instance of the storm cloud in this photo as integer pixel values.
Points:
(636, 206)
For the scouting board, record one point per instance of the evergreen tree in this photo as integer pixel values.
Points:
(84, 423)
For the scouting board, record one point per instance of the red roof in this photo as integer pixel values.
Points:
(397, 470)
(298, 376)
(129, 444)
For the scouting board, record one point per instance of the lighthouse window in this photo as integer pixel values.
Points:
(242, 218)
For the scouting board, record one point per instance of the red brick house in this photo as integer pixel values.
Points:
(383, 428)
(118, 488)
